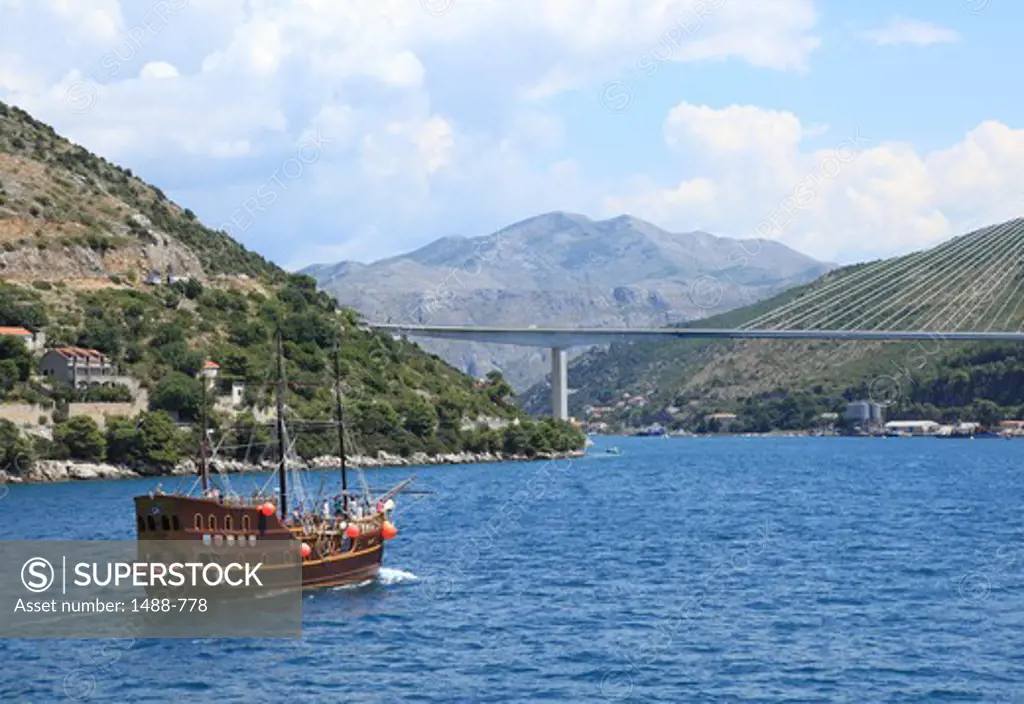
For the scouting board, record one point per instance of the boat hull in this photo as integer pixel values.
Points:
(215, 522)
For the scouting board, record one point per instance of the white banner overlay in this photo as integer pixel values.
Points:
(150, 589)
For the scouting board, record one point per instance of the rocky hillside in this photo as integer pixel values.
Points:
(69, 215)
(973, 282)
(78, 239)
(563, 269)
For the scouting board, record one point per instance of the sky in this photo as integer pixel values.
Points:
(324, 130)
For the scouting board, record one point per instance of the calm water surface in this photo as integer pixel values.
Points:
(681, 570)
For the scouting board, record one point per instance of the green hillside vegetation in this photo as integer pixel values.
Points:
(397, 397)
(975, 282)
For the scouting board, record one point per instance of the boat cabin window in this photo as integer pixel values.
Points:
(246, 523)
(199, 522)
(142, 524)
(176, 523)
(211, 523)
(150, 523)
(228, 522)
(165, 523)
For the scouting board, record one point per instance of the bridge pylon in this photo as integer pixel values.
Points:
(559, 384)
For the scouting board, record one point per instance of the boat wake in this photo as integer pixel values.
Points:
(356, 585)
(388, 576)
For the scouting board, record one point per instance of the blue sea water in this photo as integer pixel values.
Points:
(686, 569)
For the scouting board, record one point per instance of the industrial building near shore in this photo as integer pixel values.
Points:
(869, 417)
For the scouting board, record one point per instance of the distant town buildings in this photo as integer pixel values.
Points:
(1012, 427)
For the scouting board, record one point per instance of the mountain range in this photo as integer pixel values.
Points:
(563, 269)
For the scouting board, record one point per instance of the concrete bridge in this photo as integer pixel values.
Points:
(558, 340)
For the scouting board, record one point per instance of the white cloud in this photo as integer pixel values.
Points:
(696, 197)
(858, 196)
(300, 51)
(906, 30)
(429, 143)
(156, 70)
(737, 130)
(455, 118)
(98, 21)
(17, 76)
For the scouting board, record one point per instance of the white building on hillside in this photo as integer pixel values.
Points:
(914, 427)
(34, 341)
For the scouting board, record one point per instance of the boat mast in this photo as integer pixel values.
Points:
(341, 427)
(280, 427)
(202, 445)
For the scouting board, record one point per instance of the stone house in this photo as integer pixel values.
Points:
(78, 367)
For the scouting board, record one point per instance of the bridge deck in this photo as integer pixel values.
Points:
(575, 337)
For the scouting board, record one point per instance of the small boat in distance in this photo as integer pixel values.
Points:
(613, 451)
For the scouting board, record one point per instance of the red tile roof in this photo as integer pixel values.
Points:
(78, 352)
(9, 330)
(210, 365)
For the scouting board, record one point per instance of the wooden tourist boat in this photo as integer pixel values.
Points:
(341, 536)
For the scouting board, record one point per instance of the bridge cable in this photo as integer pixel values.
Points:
(933, 283)
(887, 323)
(998, 287)
(965, 278)
(869, 276)
(880, 285)
(977, 294)
(941, 301)
(809, 296)
(936, 255)
(1014, 292)
(1010, 318)
(924, 292)
(843, 282)
(925, 286)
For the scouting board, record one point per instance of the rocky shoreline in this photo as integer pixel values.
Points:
(50, 471)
